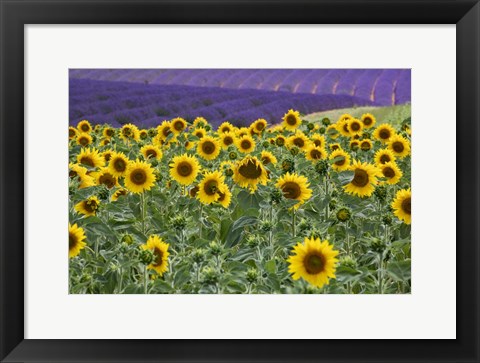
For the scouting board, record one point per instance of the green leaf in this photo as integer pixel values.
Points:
(236, 229)
(270, 266)
(399, 270)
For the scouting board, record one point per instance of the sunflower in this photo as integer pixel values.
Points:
(245, 144)
(259, 126)
(88, 207)
(199, 132)
(384, 132)
(334, 146)
(364, 179)
(208, 188)
(366, 145)
(119, 193)
(391, 171)
(280, 140)
(178, 125)
(160, 254)
(129, 132)
(143, 134)
(118, 164)
(344, 118)
(332, 131)
(342, 160)
(355, 127)
(139, 176)
(314, 261)
(242, 131)
(105, 177)
(315, 152)
(184, 169)
(342, 127)
(105, 142)
(72, 133)
(224, 196)
(318, 140)
(268, 158)
(84, 126)
(291, 120)
(108, 132)
(151, 152)
(164, 130)
(208, 148)
(354, 145)
(200, 122)
(368, 120)
(90, 157)
(84, 139)
(299, 140)
(402, 205)
(294, 186)
(383, 156)
(76, 240)
(225, 127)
(77, 171)
(399, 146)
(249, 172)
(226, 139)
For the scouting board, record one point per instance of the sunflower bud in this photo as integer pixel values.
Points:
(387, 219)
(208, 127)
(154, 162)
(198, 255)
(266, 144)
(209, 275)
(266, 226)
(381, 193)
(294, 150)
(344, 214)
(304, 225)
(215, 248)
(321, 167)
(229, 172)
(348, 261)
(103, 193)
(288, 165)
(325, 121)
(86, 277)
(377, 245)
(146, 257)
(314, 233)
(252, 240)
(310, 126)
(127, 238)
(232, 155)
(280, 141)
(252, 275)
(332, 204)
(151, 132)
(276, 196)
(322, 130)
(179, 222)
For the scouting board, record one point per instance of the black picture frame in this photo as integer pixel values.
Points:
(16, 14)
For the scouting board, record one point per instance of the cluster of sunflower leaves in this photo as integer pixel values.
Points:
(298, 207)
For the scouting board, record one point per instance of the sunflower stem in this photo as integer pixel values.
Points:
(293, 222)
(145, 280)
(143, 210)
(326, 195)
(270, 234)
(380, 277)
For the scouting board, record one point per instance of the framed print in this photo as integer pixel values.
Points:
(238, 186)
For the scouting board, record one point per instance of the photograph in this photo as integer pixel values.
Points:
(239, 181)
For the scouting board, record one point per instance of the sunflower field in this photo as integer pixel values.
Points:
(295, 207)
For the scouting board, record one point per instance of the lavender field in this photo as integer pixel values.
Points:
(146, 97)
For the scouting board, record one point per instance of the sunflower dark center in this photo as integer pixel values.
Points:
(280, 141)
(250, 170)
(87, 160)
(246, 144)
(107, 156)
(184, 168)
(108, 180)
(384, 134)
(83, 141)
(315, 154)
(71, 133)
(291, 190)
(138, 177)
(341, 161)
(398, 146)
(72, 174)
(384, 158)
(355, 126)
(365, 146)
(85, 128)
(227, 140)
(199, 134)
(208, 147)
(151, 153)
(260, 126)
(178, 125)
(266, 160)
(367, 121)
(126, 132)
(193, 191)
(407, 205)
(298, 141)
(388, 172)
(291, 120)
(314, 263)
(109, 132)
(211, 187)
(157, 257)
(72, 241)
(166, 131)
(360, 178)
(221, 197)
(334, 147)
(120, 165)
(90, 206)
(345, 127)
(225, 129)
(317, 142)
